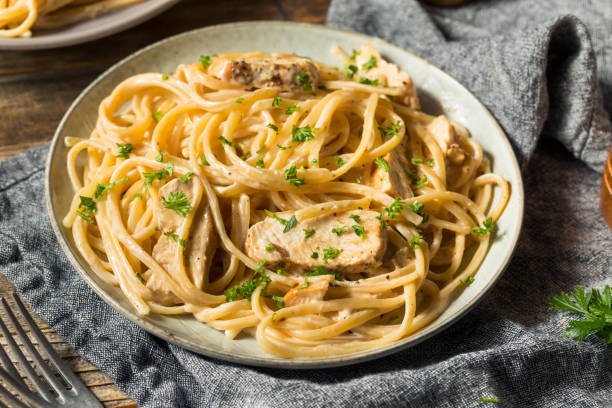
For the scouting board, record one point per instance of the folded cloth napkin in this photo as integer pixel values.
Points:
(534, 65)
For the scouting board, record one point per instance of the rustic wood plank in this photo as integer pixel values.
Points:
(36, 89)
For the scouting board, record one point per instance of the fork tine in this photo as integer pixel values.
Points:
(71, 378)
(22, 389)
(11, 399)
(8, 365)
(36, 380)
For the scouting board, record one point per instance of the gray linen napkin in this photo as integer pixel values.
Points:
(534, 67)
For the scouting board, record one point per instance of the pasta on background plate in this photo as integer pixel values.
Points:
(316, 208)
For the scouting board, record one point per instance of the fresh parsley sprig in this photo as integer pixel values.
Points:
(596, 308)
(487, 227)
(177, 202)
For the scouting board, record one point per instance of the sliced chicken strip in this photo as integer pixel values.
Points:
(314, 288)
(288, 73)
(394, 182)
(343, 249)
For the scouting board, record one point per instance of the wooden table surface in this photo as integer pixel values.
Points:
(37, 87)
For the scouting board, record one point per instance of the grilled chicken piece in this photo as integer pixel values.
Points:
(448, 140)
(388, 75)
(162, 294)
(292, 249)
(289, 73)
(201, 242)
(395, 182)
(315, 290)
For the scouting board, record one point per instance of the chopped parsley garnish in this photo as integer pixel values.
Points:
(303, 285)
(468, 281)
(270, 248)
(292, 108)
(157, 115)
(101, 189)
(596, 307)
(421, 183)
(140, 278)
(177, 202)
(203, 161)
(308, 233)
(415, 242)
(289, 224)
(283, 147)
(359, 230)
(339, 161)
(244, 156)
(430, 162)
(382, 163)
(291, 176)
(247, 287)
(186, 177)
(355, 217)
(318, 271)
(302, 79)
(418, 209)
(350, 70)
(205, 60)
(124, 150)
(280, 301)
(339, 231)
(280, 272)
(172, 236)
(367, 81)
(314, 255)
(260, 163)
(150, 177)
(370, 64)
(330, 253)
(395, 208)
(272, 126)
(416, 160)
(354, 55)
(240, 100)
(276, 102)
(391, 129)
(160, 156)
(487, 227)
(224, 141)
(261, 149)
(135, 196)
(303, 134)
(314, 162)
(488, 399)
(164, 77)
(87, 208)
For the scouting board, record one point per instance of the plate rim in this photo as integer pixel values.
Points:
(336, 361)
(43, 42)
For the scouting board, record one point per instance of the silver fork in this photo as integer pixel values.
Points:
(76, 395)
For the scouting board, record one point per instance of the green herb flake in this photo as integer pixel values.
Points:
(339, 231)
(303, 134)
(270, 248)
(280, 301)
(430, 162)
(467, 282)
(283, 147)
(382, 163)
(290, 224)
(392, 319)
(350, 70)
(135, 196)
(330, 253)
(157, 115)
(140, 278)
(308, 233)
(359, 230)
(276, 102)
(415, 242)
(177, 202)
(322, 87)
(318, 271)
(160, 156)
(292, 108)
(416, 160)
(101, 189)
(280, 272)
(150, 177)
(272, 126)
(303, 285)
(260, 163)
(494, 399)
(302, 79)
(291, 176)
(355, 217)
(124, 150)
(339, 161)
(87, 208)
(225, 141)
(487, 227)
(247, 287)
(367, 81)
(391, 129)
(370, 64)
(314, 255)
(203, 161)
(205, 60)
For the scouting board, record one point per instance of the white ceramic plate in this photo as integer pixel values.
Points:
(442, 93)
(89, 30)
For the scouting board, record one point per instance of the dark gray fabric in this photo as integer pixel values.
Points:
(511, 345)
